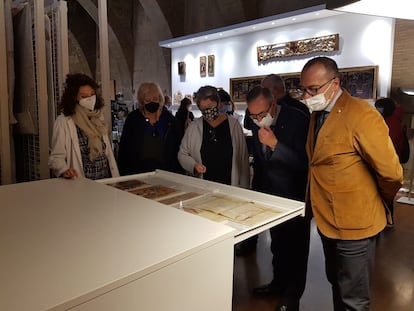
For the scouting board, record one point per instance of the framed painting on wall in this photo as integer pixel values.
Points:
(239, 87)
(360, 82)
(211, 65)
(181, 68)
(203, 61)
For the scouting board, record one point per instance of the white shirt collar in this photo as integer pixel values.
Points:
(333, 102)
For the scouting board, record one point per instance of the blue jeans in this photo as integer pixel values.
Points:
(348, 266)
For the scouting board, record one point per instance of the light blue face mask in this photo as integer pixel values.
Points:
(225, 108)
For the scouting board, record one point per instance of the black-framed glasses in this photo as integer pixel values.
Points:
(259, 115)
(312, 91)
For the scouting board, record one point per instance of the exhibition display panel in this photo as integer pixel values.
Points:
(81, 245)
(248, 212)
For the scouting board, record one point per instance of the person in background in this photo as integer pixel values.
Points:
(213, 147)
(184, 117)
(149, 138)
(80, 144)
(277, 87)
(227, 105)
(393, 118)
(280, 168)
(168, 103)
(353, 171)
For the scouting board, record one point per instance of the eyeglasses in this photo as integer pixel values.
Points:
(259, 115)
(312, 91)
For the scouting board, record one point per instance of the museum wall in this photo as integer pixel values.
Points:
(403, 67)
(364, 41)
(403, 63)
(151, 63)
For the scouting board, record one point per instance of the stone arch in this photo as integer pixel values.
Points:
(119, 67)
(150, 61)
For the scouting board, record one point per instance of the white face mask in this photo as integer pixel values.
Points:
(88, 102)
(266, 121)
(317, 102)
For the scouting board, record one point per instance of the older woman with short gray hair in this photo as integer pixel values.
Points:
(214, 147)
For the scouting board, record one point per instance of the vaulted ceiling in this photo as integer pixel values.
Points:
(182, 17)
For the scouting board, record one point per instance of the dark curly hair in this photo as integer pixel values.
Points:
(72, 84)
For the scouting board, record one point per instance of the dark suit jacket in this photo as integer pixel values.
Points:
(283, 172)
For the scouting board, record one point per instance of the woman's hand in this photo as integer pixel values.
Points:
(199, 168)
(70, 173)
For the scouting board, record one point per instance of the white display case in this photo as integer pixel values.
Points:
(239, 216)
(82, 245)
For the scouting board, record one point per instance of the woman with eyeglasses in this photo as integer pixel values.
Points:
(214, 146)
(149, 138)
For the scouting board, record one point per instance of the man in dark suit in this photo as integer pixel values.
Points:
(280, 168)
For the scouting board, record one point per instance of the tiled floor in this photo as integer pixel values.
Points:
(393, 281)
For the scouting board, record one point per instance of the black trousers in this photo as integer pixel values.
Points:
(290, 248)
(348, 265)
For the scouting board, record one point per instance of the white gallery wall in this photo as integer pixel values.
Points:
(364, 41)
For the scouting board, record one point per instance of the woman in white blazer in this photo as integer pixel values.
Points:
(80, 143)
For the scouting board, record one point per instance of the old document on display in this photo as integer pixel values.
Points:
(219, 207)
(214, 206)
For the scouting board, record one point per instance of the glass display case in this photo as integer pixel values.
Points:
(248, 212)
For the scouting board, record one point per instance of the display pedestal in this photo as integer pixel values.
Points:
(81, 245)
(406, 200)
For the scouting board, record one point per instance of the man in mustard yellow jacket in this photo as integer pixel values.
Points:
(353, 173)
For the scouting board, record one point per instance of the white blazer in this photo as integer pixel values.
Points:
(65, 152)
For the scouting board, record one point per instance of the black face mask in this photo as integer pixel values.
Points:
(152, 107)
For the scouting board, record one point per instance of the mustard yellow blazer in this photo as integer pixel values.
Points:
(353, 170)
